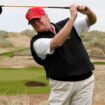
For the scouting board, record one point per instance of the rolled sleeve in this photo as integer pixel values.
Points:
(42, 47)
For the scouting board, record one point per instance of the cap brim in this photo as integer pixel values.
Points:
(35, 17)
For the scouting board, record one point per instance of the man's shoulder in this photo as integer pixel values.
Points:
(62, 22)
(42, 35)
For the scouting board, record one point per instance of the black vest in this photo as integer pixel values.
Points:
(70, 62)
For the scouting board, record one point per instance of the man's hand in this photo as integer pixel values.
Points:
(73, 11)
(91, 17)
(83, 9)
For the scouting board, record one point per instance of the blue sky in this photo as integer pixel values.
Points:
(13, 19)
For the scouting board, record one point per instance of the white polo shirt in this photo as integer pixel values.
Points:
(42, 45)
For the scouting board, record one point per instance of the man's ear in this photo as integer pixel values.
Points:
(47, 17)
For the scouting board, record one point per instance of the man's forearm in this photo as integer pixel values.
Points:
(91, 18)
(62, 35)
(60, 38)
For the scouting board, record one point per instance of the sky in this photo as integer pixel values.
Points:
(13, 19)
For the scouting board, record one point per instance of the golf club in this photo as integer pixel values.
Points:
(56, 7)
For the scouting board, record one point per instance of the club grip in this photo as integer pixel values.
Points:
(58, 7)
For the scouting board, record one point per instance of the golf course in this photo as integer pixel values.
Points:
(23, 81)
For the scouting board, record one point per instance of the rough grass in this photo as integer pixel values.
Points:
(28, 32)
(24, 100)
(99, 91)
(5, 43)
(94, 42)
(3, 34)
(16, 52)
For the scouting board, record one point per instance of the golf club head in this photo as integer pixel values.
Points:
(0, 10)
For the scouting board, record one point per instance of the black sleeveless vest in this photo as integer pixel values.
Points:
(70, 62)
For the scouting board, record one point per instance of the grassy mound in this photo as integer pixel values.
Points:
(5, 43)
(28, 32)
(94, 42)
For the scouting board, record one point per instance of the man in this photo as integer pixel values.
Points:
(58, 47)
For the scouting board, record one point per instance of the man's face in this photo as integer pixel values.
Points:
(41, 24)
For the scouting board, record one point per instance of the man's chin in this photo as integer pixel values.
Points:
(44, 30)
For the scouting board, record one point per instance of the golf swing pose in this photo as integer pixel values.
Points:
(59, 48)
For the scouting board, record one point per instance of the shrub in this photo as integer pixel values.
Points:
(96, 52)
(5, 43)
(3, 34)
(28, 32)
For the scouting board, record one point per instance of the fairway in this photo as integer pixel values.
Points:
(12, 81)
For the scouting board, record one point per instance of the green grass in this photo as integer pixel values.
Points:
(99, 63)
(11, 53)
(12, 81)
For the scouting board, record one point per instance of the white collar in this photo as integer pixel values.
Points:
(54, 29)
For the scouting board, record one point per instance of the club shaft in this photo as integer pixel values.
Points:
(57, 7)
